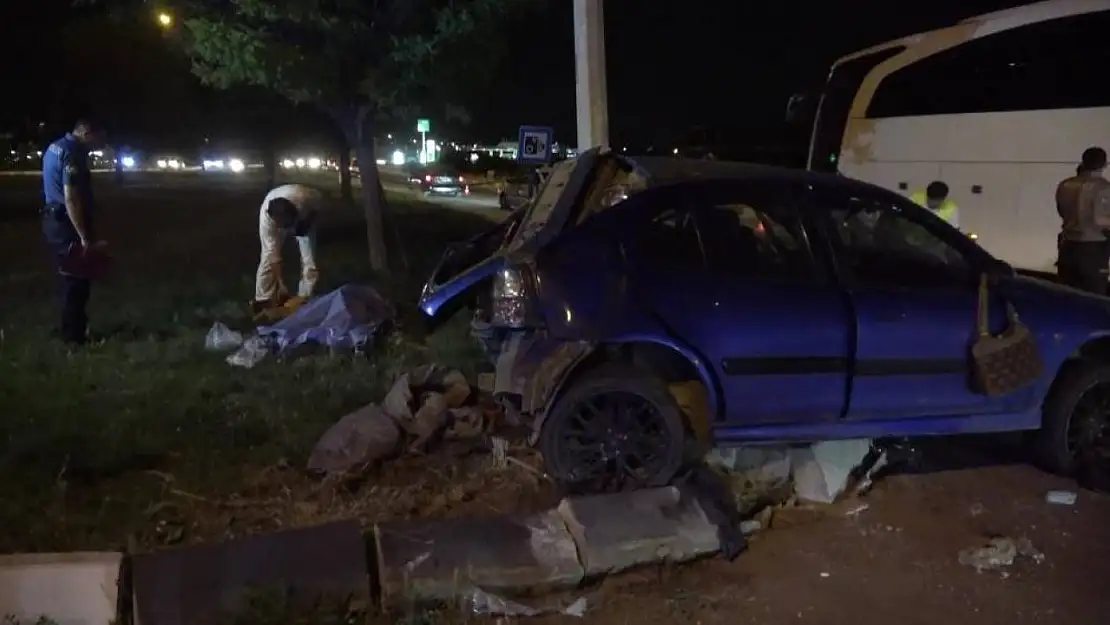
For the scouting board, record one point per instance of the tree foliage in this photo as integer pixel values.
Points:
(390, 55)
(358, 60)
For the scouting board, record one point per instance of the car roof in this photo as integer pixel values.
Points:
(664, 171)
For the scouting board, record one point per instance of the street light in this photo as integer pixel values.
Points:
(165, 20)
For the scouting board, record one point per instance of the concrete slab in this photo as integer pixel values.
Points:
(437, 560)
(182, 586)
(65, 588)
(821, 471)
(618, 532)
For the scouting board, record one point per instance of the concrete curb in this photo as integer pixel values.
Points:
(416, 561)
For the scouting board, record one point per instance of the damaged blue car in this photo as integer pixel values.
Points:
(648, 307)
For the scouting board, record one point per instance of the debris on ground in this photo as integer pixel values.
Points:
(422, 407)
(345, 320)
(480, 602)
(221, 338)
(1061, 497)
(999, 553)
(818, 473)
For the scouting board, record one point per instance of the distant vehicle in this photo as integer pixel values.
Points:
(444, 182)
(805, 306)
(998, 106)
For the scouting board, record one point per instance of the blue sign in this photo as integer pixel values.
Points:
(535, 144)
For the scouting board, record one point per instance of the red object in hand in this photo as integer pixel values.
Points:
(92, 262)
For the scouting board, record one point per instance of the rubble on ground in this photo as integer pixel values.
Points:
(999, 553)
(422, 407)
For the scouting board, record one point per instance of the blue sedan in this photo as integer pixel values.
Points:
(798, 306)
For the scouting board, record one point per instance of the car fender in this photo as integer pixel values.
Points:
(565, 360)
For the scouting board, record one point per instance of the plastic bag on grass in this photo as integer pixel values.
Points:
(221, 338)
(254, 350)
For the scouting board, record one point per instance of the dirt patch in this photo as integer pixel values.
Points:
(894, 562)
(456, 479)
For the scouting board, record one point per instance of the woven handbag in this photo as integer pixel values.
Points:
(1005, 362)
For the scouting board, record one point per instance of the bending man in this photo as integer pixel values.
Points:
(288, 210)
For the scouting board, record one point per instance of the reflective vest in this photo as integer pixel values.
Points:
(947, 211)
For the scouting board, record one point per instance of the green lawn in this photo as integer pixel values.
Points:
(148, 439)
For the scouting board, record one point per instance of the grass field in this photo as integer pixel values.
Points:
(147, 439)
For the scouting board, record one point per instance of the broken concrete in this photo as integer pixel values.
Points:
(422, 561)
(364, 436)
(618, 532)
(191, 584)
(821, 471)
(64, 588)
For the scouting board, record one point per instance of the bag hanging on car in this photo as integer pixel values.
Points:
(1005, 362)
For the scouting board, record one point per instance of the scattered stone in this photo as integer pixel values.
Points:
(431, 561)
(1061, 497)
(999, 553)
(751, 526)
(618, 532)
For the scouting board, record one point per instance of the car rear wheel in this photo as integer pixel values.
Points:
(1076, 422)
(615, 428)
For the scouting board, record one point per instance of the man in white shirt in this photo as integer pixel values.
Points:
(288, 210)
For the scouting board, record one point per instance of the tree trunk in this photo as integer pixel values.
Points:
(358, 127)
(269, 163)
(345, 192)
(118, 162)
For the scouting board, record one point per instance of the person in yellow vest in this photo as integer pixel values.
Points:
(935, 198)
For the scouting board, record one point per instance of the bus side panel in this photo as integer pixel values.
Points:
(903, 178)
(987, 196)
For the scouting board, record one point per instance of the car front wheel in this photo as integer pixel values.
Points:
(1074, 427)
(614, 429)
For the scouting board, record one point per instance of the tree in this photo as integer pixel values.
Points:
(359, 61)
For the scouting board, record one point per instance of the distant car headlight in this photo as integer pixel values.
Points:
(288, 164)
(162, 163)
(314, 163)
(236, 165)
(128, 162)
(213, 164)
(299, 162)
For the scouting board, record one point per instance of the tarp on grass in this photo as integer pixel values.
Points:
(345, 319)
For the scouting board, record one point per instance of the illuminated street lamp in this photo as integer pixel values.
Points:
(165, 20)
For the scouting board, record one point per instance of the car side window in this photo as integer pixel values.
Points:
(882, 242)
(670, 240)
(753, 235)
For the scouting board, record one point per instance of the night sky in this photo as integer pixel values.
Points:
(672, 66)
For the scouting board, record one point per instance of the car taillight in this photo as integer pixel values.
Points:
(461, 179)
(513, 300)
(427, 178)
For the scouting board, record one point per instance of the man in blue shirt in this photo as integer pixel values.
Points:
(67, 221)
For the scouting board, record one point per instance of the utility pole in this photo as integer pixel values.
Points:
(589, 71)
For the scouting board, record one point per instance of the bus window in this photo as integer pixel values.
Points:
(1056, 64)
(836, 104)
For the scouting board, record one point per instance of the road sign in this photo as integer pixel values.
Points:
(535, 144)
(423, 125)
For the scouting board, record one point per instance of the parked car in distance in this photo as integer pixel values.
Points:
(801, 306)
(444, 181)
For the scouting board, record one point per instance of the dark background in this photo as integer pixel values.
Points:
(677, 72)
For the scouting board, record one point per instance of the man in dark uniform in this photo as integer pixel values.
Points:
(1083, 203)
(67, 222)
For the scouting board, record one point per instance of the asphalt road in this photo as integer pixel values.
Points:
(22, 193)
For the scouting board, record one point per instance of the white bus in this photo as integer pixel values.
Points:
(999, 107)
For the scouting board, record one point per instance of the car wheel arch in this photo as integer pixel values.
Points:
(670, 361)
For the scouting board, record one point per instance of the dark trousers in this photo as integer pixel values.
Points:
(74, 290)
(1083, 265)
